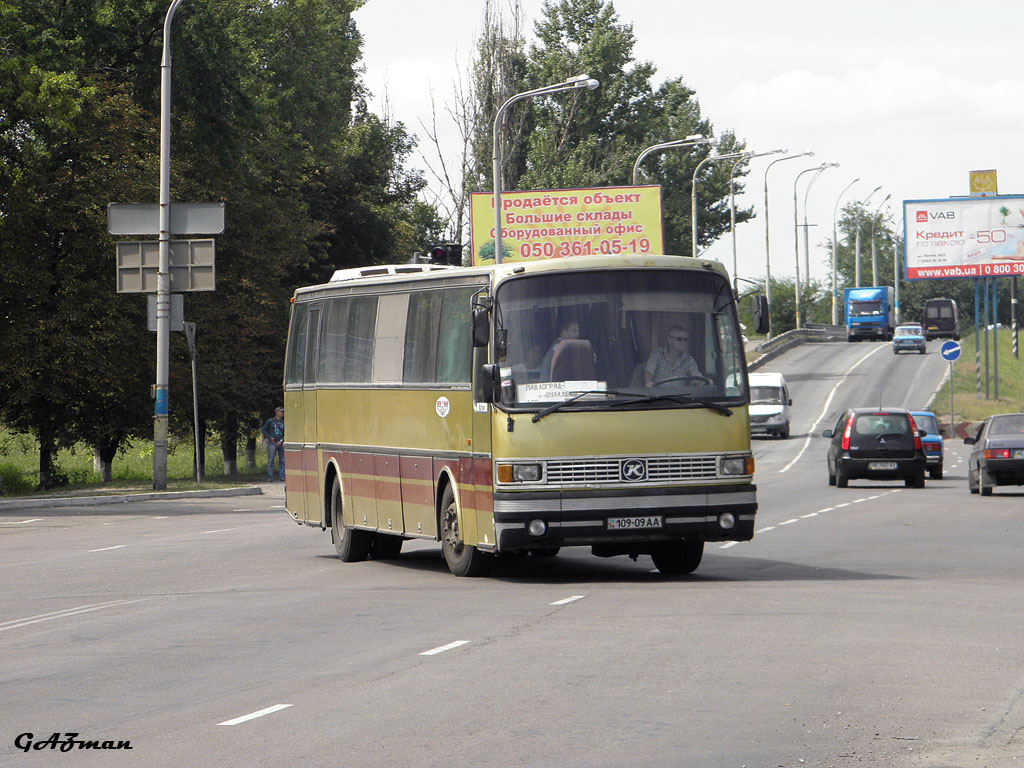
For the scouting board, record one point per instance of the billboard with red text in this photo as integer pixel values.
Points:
(964, 237)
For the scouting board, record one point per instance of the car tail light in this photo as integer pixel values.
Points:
(917, 435)
(845, 445)
(997, 453)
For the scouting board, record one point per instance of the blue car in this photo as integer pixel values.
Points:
(932, 442)
(908, 338)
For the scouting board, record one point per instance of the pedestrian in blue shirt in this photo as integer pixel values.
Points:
(273, 433)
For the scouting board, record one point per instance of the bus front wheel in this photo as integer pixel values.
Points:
(678, 557)
(352, 545)
(463, 559)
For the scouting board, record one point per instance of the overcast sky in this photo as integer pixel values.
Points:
(909, 95)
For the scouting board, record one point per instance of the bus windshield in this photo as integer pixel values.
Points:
(617, 335)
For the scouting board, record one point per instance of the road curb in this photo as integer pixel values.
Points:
(24, 502)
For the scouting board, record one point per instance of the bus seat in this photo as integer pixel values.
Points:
(573, 360)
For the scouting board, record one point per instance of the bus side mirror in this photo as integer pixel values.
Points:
(760, 312)
(490, 391)
(481, 327)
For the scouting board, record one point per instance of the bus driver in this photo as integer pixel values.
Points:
(673, 362)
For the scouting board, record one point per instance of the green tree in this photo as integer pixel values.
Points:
(592, 138)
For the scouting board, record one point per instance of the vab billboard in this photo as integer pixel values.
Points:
(964, 237)
(556, 223)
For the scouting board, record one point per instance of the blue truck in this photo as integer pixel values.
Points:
(869, 313)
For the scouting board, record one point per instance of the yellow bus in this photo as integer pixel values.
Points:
(520, 408)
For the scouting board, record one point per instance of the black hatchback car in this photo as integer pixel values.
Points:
(875, 444)
(998, 454)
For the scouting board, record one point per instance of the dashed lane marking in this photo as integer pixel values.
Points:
(568, 600)
(254, 715)
(107, 549)
(443, 648)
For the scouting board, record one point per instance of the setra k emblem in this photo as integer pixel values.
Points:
(633, 470)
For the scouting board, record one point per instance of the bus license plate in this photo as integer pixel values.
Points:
(637, 523)
(882, 465)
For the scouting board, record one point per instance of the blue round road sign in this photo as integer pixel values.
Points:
(950, 350)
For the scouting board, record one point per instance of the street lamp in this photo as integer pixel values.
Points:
(835, 290)
(856, 248)
(796, 229)
(874, 258)
(573, 83)
(807, 247)
(767, 251)
(163, 275)
(732, 208)
(693, 193)
(689, 141)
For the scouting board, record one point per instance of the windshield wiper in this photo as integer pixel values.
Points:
(569, 401)
(682, 399)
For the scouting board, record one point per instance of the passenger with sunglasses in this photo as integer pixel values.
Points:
(673, 362)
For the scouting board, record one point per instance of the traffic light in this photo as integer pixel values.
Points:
(447, 253)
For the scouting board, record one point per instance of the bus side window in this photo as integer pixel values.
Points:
(454, 339)
(421, 337)
(295, 366)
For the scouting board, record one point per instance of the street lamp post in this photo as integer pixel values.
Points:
(856, 247)
(693, 193)
(874, 257)
(689, 141)
(835, 290)
(796, 231)
(572, 84)
(807, 247)
(732, 209)
(767, 246)
(163, 275)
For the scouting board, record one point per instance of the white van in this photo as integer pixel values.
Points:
(769, 404)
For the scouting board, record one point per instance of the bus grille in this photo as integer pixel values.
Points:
(666, 469)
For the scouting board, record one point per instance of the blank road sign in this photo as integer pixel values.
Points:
(191, 263)
(186, 218)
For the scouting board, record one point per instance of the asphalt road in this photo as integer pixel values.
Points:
(873, 625)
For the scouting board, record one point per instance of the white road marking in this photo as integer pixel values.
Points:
(443, 648)
(278, 506)
(568, 600)
(105, 549)
(729, 544)
(810, 514)
(23, 522)
(857, 501)
(791, 520)
(15, 623)
(254, 715)
(162, 517)
(766, 529)
(824, 411)
(221, 530)
(840, 506)
(827, 509)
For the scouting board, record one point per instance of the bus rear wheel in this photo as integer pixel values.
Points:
(351, 545)
(676, 558)
(463, 559)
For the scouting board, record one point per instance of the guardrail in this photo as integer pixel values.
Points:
(809, 334)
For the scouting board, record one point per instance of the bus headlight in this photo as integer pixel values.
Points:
(738, 465)
(727, 521)
(519, 473)
(537, 528)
